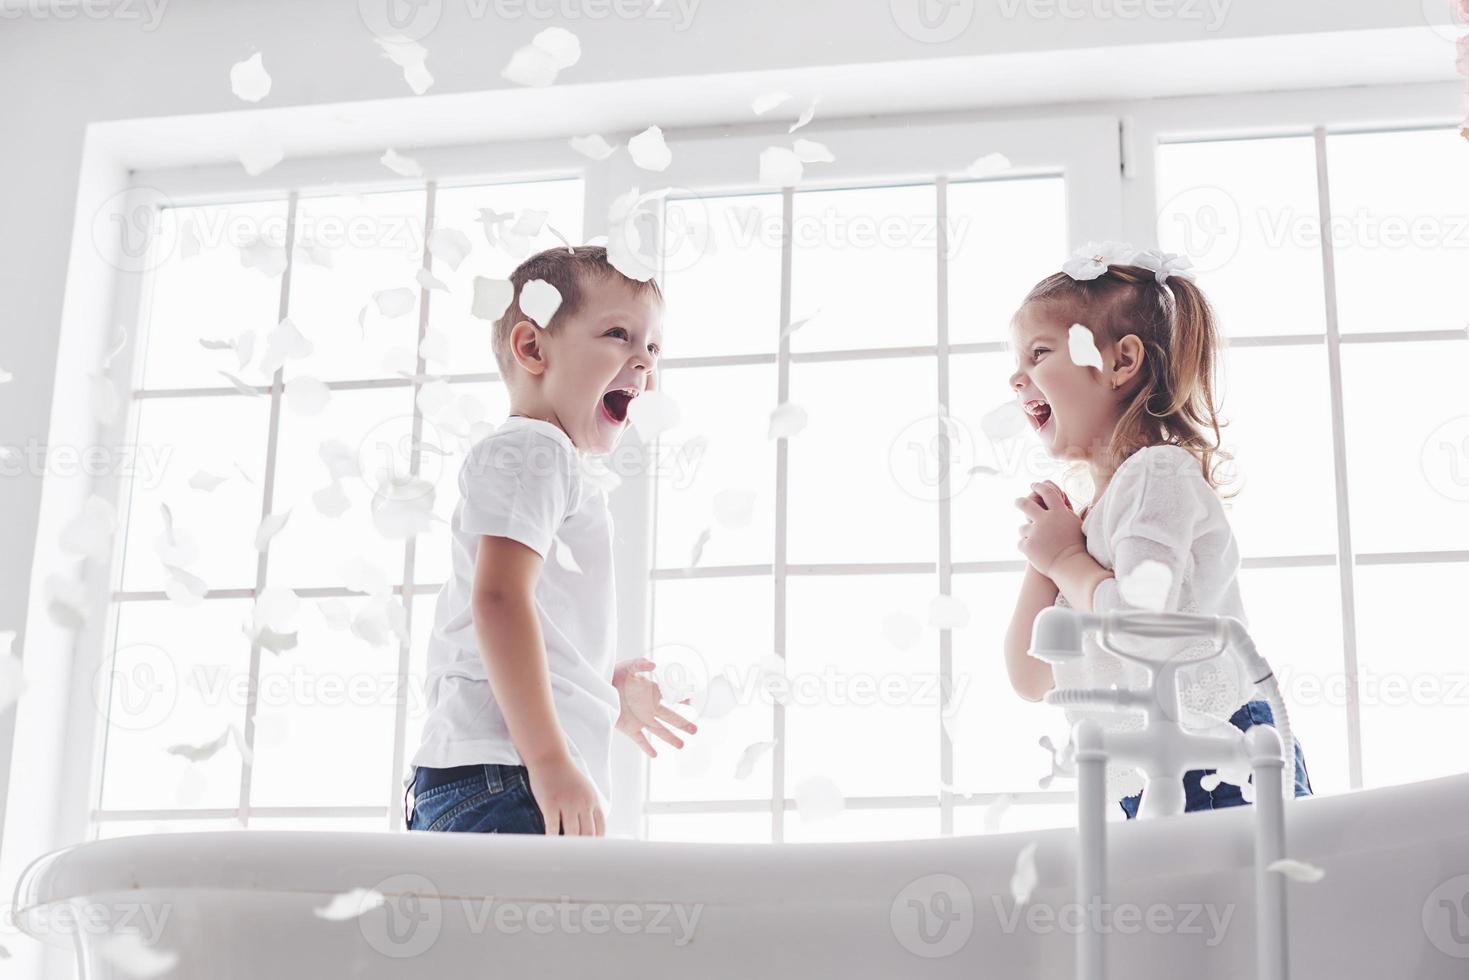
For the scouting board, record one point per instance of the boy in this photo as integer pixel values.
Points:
(523, 694)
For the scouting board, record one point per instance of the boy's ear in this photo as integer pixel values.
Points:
(525, 347)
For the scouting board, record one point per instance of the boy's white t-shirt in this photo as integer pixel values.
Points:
(1158, 507)
(525, 482)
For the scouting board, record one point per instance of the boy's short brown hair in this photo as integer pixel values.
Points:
(567, 270)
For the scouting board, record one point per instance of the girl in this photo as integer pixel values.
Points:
(1138, 423)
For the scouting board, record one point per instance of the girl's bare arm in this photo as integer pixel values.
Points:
(1030, 677)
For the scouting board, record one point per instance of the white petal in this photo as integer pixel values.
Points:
(1023, 881)
(653, 412)
(90, 532)
(810, 151)
(106, 400)
(540, 300)
(401, 165)
(806, 116)
(349, 905)
(393, 303)
(134, 958)
(780, 167)
(902, 630)
(284, 343)
(786, 420)
(750, 757)
(249, 80)
(491, 297)
(530, 66)
(205, 481)
(795, 325)
(12, 678)
(264, 256)
(276, 609)
(649, 151)
(359, 575)
(202, 751)
(436, 347)
(1082, 346)
(331, 500)
(450, 245)
(562, 45)
(990, 163)
(184, 587)
(402, 506)
(340, 459)
(528, 223)
(1297, 870)
(818, 798)
(270, 526)
(763, 103)
(261, 153)
(67, 602)
(1147, 586)
(410, 56)
(592, 146)
(947, 612)
(336, 612)
(306, 395)
(733, 509)
(696, 554)
(1003, 422)
(994, 814)
(429, 281)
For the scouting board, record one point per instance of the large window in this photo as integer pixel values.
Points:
(310, 360)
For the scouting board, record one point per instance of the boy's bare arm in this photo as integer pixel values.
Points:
(508, 631)
(1030, 677)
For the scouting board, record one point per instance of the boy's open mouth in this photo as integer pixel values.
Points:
(1039, 413)
(615, 403)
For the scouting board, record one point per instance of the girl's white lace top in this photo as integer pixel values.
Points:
(1158, 507)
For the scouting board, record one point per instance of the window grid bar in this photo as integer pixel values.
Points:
(811, 357)
(267, 498)
(945, 556)
(410, 547)
(312, 592)
(782, 451)
(1339, 462)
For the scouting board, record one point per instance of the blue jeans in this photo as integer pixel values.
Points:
(478, 799)
(1227, 794)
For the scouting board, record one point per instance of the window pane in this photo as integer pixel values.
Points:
(866, 259)
(178, 677)
(710, 828)
(916, 823)
(842, 472)
(1415, 699)
(1277, 406)
(712, 628)
(1245, 212)
(1295, 620)
(984, 517)
(995, 731)
(1401, 245)
(717, 468)
(447, 437)
(1016, 817)
(109, 829)
(458, 208)
(211, 294)
(1407, 433)
(325, 716)
(1004, 237)
(853, 688)
(349, 248)
(220, 437)
(723, 297)
(376, 425)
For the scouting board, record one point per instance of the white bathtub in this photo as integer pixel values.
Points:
(239, 904)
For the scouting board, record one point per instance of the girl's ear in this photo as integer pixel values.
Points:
(1129, 354)
(525, 347)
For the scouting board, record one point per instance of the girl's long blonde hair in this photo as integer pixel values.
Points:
(1174, 402)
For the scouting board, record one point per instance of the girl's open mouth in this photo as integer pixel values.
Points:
(615, 403)
(1039, 413)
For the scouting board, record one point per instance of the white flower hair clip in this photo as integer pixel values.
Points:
(1164, 264)
(1093, 259)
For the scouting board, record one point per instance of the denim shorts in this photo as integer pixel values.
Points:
(1227, 794)
(476, 799)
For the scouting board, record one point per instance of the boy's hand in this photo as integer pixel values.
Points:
(642, 707)
(1053, 530)
(567, 799)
